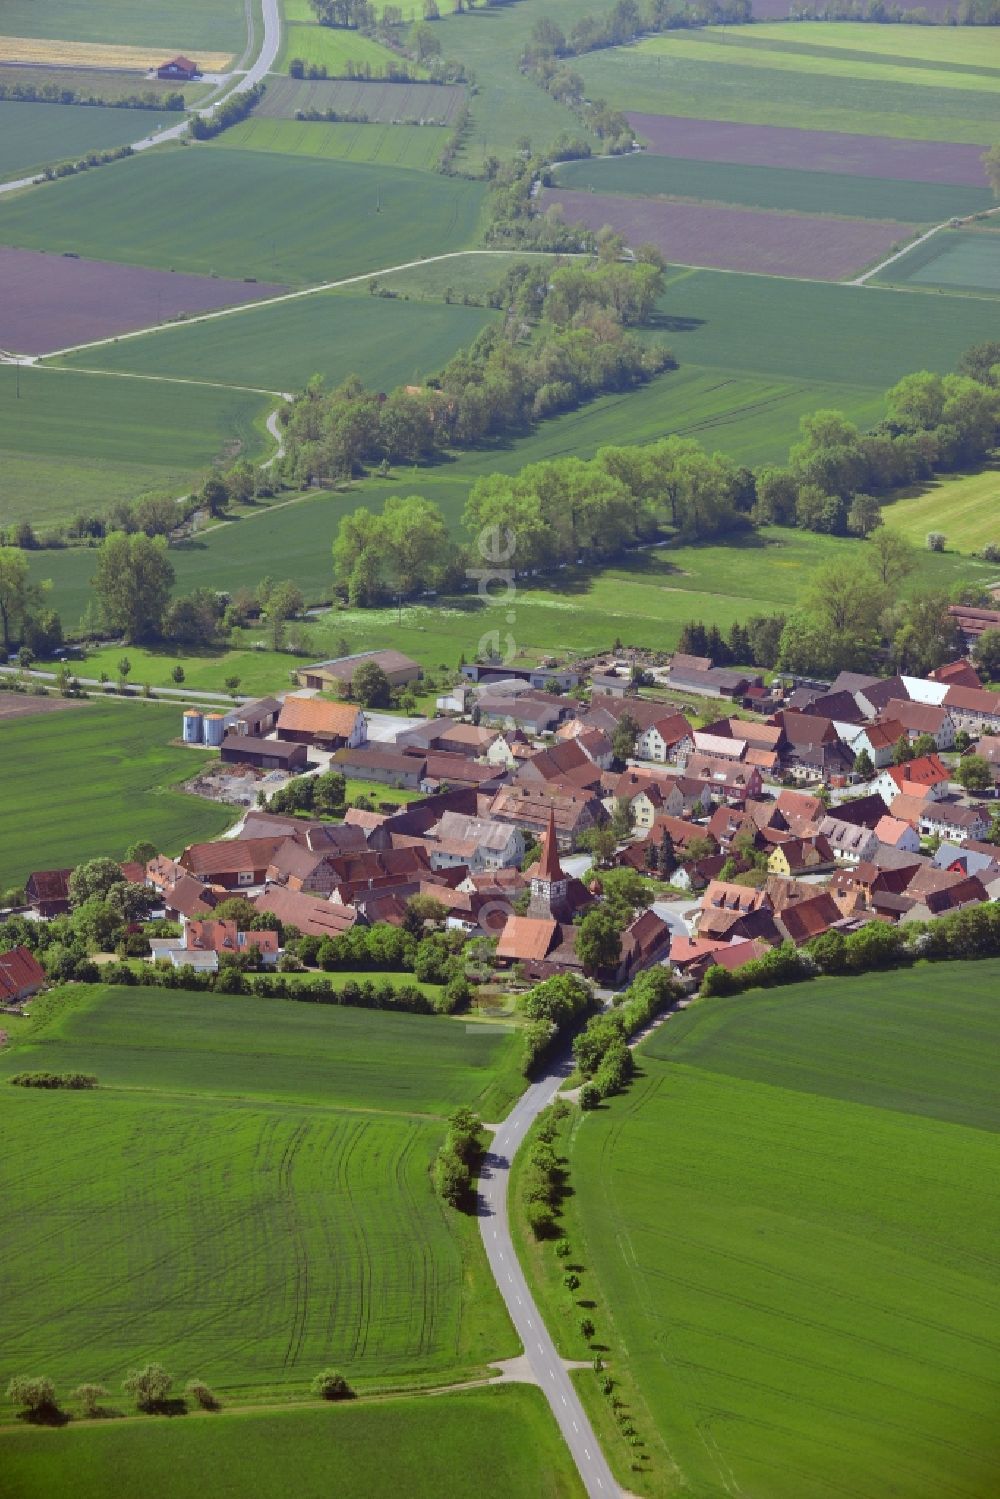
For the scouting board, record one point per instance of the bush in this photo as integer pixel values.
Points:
(148, 1387)
(199, 1392)
(331, 1385)
(53, 1080)
(590, 1096)
(89, 1398)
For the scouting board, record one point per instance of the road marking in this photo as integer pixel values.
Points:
(586, 1454)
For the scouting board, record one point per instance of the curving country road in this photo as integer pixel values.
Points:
(258, 69)
(540, 1351)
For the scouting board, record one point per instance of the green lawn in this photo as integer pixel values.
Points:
(726, 76)
(424, 1448)
(787, 1224)
(91, 781)
(645, 175)
(324, 219)
(73, 442)
(966, 509)
(247, 1195)
(956, 260)
(387, 342)
(33, 136)
(416, 146)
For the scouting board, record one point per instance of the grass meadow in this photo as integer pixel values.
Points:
(331, 47)
(424, 1448)
(91, 781)
(324, 219)
(827, 193)
(644, 601)
(212, 25)
(966, 509)
(417, 147)
(728, 74)
(33, 136)
(250, 1187)
(72, 442)
(787, 1227)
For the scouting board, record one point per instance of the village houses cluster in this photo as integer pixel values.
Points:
(798, 808)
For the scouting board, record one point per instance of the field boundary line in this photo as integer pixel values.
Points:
(254, 390)
(920, 240)
(288, 296)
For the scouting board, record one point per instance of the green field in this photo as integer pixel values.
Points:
(964, 260)
(247, 1195)
(645, 601)
(421, 1448)
(323, 219)
(33, 136)
(213, 25)
(103, 83)
(75, 442)
(790, 1219)
(801, 330)
(729, 75)
(386, 342)
(91, 781)
(966, 509)
(416, 146)
(827, 193)
(333, 48)
(960, 47)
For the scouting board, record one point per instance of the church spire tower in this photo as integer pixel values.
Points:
(549, 882)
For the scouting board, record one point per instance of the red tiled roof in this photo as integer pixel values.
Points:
(230, 855)
(314, 715)
(526, 938)
(20, 971)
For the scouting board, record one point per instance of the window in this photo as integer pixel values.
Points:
(245, 877)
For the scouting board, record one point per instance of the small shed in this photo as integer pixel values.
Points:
(265, 754)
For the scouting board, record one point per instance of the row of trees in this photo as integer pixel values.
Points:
(458, 1160)
(502, 383)
(148, 1388)
(59, 93)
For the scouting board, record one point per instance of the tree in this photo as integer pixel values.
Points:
(890, 557)
(936, 541)
(926, 635)
(90, 1397)
(133, 579)
(332, 1385)
(93, 880)
(924, 744)
(148, 1387)
(140, 852)
(177, 675)
(599, 941)
(864, 515)
(864, 765)
(991, 161)
(973, 773)
(587, 1328)
(986, 654)
(124, 668)
(233, 687)
(982, 361)
(902, 750)
(35, 1395)
(17, 593)
(623, 740)
(371, 686)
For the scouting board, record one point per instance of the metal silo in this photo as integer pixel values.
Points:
(192, 726)
(215, 728)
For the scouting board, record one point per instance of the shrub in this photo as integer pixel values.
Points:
(331, 1385)
(148, 1387)
(199, 1392)
(89, 1397)
(590, 1096)
(52, 1080)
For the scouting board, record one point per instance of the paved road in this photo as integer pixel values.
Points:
(240, 83)
(540, 1351)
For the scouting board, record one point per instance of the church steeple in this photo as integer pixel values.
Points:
(549, 881)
